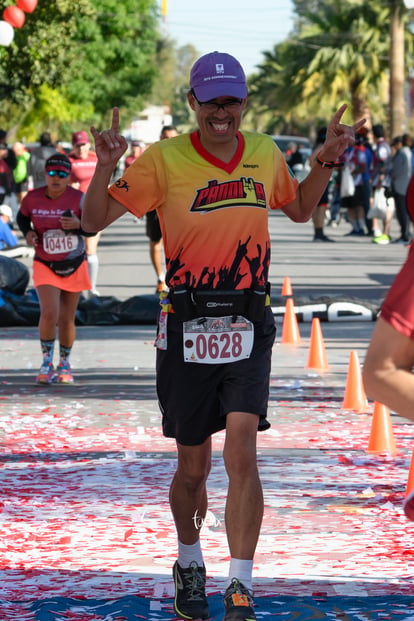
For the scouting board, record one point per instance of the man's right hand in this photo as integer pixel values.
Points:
(110, 145)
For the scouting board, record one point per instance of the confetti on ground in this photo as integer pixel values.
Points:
(86, 530)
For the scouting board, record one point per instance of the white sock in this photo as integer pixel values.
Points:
(242, 570)
(187, 554)
(93, 267)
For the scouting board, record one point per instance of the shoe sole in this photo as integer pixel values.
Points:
(52, 380)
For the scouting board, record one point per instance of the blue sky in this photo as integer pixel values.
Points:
(243, 28)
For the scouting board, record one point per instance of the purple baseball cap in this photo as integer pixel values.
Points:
(218, 75)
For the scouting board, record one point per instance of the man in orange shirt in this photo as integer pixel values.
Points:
(212, 189)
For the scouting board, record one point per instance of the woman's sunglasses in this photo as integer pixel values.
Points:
(60, 173)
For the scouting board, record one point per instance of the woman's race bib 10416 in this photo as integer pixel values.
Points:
(217, 340)
(57, 241)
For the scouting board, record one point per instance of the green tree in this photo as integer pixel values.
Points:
(116, 55)
(337, 52)
(88, 55)
(39, 54)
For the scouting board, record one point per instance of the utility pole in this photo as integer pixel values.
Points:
(398, 115)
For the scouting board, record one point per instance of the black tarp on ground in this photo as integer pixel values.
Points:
(14, 276)
(23, 310)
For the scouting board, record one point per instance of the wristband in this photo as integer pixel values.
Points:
(328, 164)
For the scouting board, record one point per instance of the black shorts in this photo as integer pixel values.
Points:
(195, 398)
(152, 226)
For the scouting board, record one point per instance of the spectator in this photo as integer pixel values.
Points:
(380, 178)
(6, 176)
(137, 147)
(294, 157)
(21, 172)
(83, 161)
(37, 161)
(8, 238)
(10, 157)
(358, 160)
(400, 178)
(318, 216)
(408, 142)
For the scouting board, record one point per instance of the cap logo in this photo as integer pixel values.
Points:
(219, 68)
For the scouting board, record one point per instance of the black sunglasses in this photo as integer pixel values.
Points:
(60, 173)
(232, 105)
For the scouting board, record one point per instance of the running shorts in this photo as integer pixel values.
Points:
(398, 306)
(152, 226)
(78, 281)
(195, 398)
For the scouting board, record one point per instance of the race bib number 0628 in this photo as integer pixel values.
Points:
(217, 340)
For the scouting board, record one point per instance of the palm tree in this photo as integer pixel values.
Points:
(339, 52)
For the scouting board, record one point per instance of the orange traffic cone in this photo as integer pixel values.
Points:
(355, 397)
(287, 287)
(290, 328)
(317, 358)
(410, 480)
(381, 438)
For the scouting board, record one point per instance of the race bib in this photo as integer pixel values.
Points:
(57, 241)
(217, 340)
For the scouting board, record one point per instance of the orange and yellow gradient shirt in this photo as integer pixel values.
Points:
(213, 215)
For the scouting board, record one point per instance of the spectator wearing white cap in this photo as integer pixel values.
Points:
(8, 238)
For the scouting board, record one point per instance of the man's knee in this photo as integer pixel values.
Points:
(194, 466)
(240, 446)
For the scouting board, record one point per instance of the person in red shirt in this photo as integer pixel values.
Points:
(83, 161)
(389, 361)
(49, 219)
(6, 178)
(137, 147)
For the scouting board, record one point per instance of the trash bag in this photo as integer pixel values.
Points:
(26, 306)
(9, 315)
(140, 309)
(14, 276)
(98, 311)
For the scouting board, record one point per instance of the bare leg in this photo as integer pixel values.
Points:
(49, 311)
(67, 329)
(188, 495)
(244, 507)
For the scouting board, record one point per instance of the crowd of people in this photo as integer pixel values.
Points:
(369, 189)
(372, 185)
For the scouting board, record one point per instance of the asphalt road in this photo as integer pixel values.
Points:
(352, 266)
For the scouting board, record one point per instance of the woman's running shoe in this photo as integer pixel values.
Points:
(46, 374)
(64, 373)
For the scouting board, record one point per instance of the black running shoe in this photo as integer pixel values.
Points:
(190, 600)
(238, 603)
